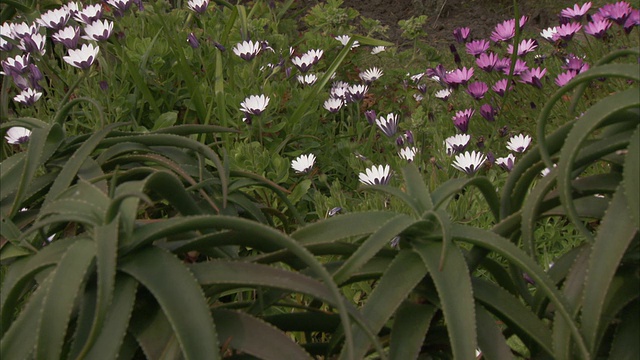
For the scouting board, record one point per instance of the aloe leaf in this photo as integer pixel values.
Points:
(66, 283)
(451, 187)
(616, 232)
(372, 245)
(404, 273)
(173, 286)
(490, 338)
(10, 170)
(631, 174)
(625, 343)
(416, 188)
(255, 337)
(410, 326)
(18, 342)
(609, 109)
(154, 334)
(397, 193)
(456, 296)
(510, 309)
(22, 272)
(190, 129)
(341, 227)
(83, 199)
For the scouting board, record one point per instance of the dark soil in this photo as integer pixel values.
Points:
(481, 16)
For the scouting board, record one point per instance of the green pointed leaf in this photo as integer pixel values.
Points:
(341, 227)
(416, 188)
(410, 326)
(255, 337)
(490, 338)
(631, 175)
(625, 344)
(173, 286)
(456, 297)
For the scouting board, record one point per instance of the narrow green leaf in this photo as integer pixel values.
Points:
(255, 337)
(456, 296)
(154, 334)
(616, 232)
(490, 338)
(625, 343)
(451, 187)
(416, 188)
(631, 174)
(341, 227)
(66, 283)
(410, 326)
(173, 286)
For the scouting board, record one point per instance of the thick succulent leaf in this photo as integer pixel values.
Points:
(372, 245)
(410, 326)
(416, 188)
(154, 334)
(490, 338)
(456, 296)
(616, 231)
(84, 200)
(631, 175)
(22, 272)
(444, 192)
(511, 311)
(341, 227)
(625, 343)
(404, 273)
(10, 170)
(396, 193)
(66, 284)
(173, 287)
(18, 342)
(252, 336)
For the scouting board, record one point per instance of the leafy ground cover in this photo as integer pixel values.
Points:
(305, 187)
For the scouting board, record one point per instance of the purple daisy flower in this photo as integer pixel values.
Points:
(477, 89)
(504, 31)
(459, 77)
(598, 28)
(566, 31)
(438, 73)
(533, 77)
(563, 78)
(500, 87)
(506, 162)
(461, 34)
(617, 12)
(488, 112)
(502, 65)
(487, 61)
(519, 68)
(575, 63)
(477, 47)
(632, 20)
(461, 120)
(577, 12)
(526, 46)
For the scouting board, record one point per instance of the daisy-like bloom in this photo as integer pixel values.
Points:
(370, 115)
(459, 77)
(5, 31)
(17, 135)
(504, 31)
(566, 31)
(199, 6)
(477, 47)
(377, 50)
(303, 163)
(28, 97)
(487, 61)
(550, 34)
(370, 75)
(563, 78)
(461, 119)
(303, 62)
(577, 12)
(192, 40)
(533, 77)
(407, 137)
(334, 211)
(254, 104)
(488, 112)
(68, 37)
(506, 162)
(308, 79)
(82, 58)
(376, 175)
(357, 92)
(500, 87)
(333, 104)
(617, 12)
(247, 50)
(521, 66)
(598, 28)
(73, 7)
(575, 63)
(408, 153)
(89, 14)
(388, 125)
(519, 143)
(119, 6)
(33, 43)
(461, 34)
(54, 19)
(469, 162)
(477, 89)
(315, 55)
(339, 90)
(457, 143)
(632, 20)
(23, 29)
(98, 30)
(526, 46)
(15, 65)
(443, 94)
(344, 40)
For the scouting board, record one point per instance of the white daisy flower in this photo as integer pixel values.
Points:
(519, 143)
(254, 104)
(28, 97)
(549, 34)
(54, 19)
(33, 43)
(89, 14)
(370, 75)
(443, 94)
(308, 79)
(388, 125)
(23, 29)
(303, 163)
(82, 58)
(408, 153)
(376, 175)
(98, 30)
(17, 135)
(247, 50)
(333, 104)
(506, 162)
(344, 40)
(456, 143)
(199, 6)
(378, 49)
(469, 162)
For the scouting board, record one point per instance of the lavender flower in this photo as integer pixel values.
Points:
(563, 78)
(488, 112)
(469, 162)
(507, 29)
(598, 28)
(577, 12)
(533, 77)
(550, 34)
(632, 20)
(376, 175)
(459, 77)
(461, 119)
(526, 46)
(388, 125)
(519, 68)
(487, 61)
(500, 87)
(477, 89)
(617, 12)
(461, 34)
(566, 31)
(477, 47)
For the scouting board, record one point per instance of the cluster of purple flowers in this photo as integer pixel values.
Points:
(23, 44)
